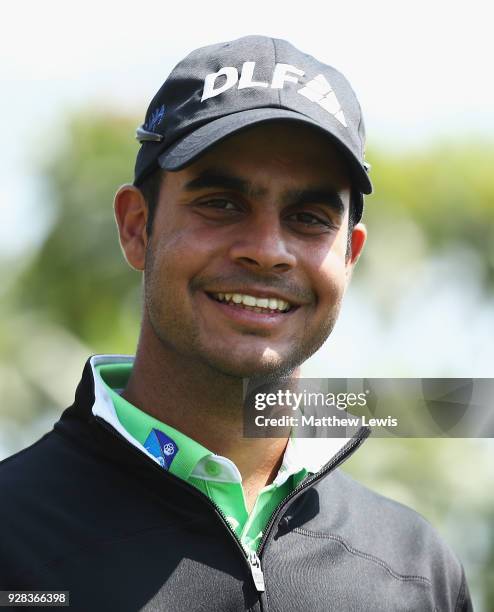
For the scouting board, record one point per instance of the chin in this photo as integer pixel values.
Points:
(269, 365)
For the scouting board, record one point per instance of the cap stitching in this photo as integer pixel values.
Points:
(275, 62)
(362, 144)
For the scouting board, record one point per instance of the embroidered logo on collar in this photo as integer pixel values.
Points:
(162, 447)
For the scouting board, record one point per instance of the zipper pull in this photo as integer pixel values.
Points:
(255, 568)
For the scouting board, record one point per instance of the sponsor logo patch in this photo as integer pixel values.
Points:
(162, 447)
(317, 90)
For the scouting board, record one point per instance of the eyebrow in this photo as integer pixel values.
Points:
(218, 179)
(328, 197)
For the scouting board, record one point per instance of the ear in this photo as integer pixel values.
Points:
(131, 214)
(358, 238)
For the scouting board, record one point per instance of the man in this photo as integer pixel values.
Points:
(245, 217)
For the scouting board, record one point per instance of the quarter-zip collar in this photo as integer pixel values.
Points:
(309, 453)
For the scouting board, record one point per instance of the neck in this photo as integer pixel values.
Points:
(205, 405)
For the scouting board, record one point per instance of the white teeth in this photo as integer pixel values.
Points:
(253, 302)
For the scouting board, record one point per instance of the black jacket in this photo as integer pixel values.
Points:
(84, 511)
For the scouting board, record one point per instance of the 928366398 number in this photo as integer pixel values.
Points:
(34, 598)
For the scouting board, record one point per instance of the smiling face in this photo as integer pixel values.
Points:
(246, 265)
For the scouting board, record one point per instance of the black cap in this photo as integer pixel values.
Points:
(221, 89)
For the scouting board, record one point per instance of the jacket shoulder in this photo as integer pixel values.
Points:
(375, 522)
(26, 463)
(383, 531)
(33, 474)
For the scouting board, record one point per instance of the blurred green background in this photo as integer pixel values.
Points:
(421, 304)
(421, 301)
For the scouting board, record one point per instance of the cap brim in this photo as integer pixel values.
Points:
(198, 142)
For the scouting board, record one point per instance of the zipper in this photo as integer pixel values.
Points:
(256, 570)
(342, 455)
(252, 558)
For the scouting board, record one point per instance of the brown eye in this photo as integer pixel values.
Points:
(310, 219)
(220, 204)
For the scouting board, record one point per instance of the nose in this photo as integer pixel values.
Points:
(261, 246)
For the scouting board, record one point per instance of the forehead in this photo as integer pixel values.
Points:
(283, 151)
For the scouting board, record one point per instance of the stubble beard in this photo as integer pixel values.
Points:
(184, 339)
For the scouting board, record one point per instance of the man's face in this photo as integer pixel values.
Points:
(245, 268)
